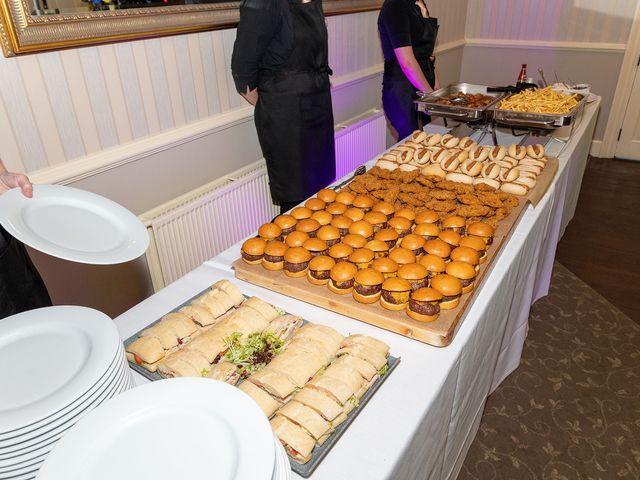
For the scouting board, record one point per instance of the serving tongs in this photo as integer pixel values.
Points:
(359, 171)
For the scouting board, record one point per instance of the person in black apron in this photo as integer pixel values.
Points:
(280, 65)
(408, 36)
(21, 287)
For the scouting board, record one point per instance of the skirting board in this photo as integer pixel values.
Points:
(596, 146)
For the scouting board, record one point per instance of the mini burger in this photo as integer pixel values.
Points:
(450, 289)
(340, 252)
(467, 255)
(274, 252)
(387, 235)
(402, 256)
(362, 228)
(296, 239)
(296, 262)
(395, 293)
(308, 226)
(455, 223)
(482, 230)
(300, 213)
(434, 264)
(428, 231)
(253, 250)
(319, 270)
(316, 247)
(342, 223)
(354, 240)
(322, 217)
(378, 247)
(329, 234)
(477, 244)
(286, 222)
(424, 304)
(363, 202)
(378, 220)
(341, 278)
(414, 243)
(345, 197)
(385, 208)
(438, 247)
(336, 208)
(368, 285)
(387, 267)
(464, 272)
(451, 237)
(406, 213)
(361, 258)
(400, 224)
(354, 214)
(415, 274)
(270, 231)
(427, 216)
(315, 204)
(326, 195)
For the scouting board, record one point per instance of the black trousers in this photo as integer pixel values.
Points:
(21, 287)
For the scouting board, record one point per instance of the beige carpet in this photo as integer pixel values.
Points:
(571, 411)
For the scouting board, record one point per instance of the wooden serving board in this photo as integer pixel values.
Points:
(438, 333)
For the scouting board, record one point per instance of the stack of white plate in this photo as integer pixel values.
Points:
(56, 365)
(192, 428)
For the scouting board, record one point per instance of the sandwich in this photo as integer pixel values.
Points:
(402, 225)
(327, 407)
(334, 387)
(296, 262)
(378, 220)
(268, 311)
(362, 257)
(385, 208)
(341, 278)
(300, 213)
(275, 383)
(455, 223)
(464, 272)
(314, 204)
(319, 270)
(345, 197)
(284, 326)
(270, 231)
(340, 252)
(225, 372)
(366, 353)
(428, 231)
(367, 285)
(414, 243)
(294, 239)
(253, 250)
(450, 288)
(378, 346)
(415, 274)
(364, 369)
(286, 222)
(362, 228)
(387, 235)
(265, 401)
(329, 234)
(336, 208)
(424, 305)
(200, 315)
(342, 223)
(315, 247)
(355, 214)
(467, 255)
(378, 247)
(395, 293)
(146, 351)
(354, 240)
(296, 440)
(433, 263)
(305, 417)
(386, 266)
(308, 226)
(363, 202)
(477, 244)
(322, 217)
(482, 230)
(326, 195)
(427, 216)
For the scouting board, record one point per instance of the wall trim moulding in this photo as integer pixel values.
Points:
(546, 44)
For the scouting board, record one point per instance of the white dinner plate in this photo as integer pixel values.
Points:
(74, 225)
(56, 354)
(193, 428)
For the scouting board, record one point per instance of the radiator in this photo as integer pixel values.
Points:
(200, 224)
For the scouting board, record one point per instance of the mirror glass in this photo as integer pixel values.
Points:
(54, 7)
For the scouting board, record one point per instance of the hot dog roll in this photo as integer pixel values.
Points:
(459, 178)
(461, 155)
(337, 389)
(408, 167)
(225, 372)
(524, 180)
(365, 369)
(535, 151)
(466, 143)
(199, 315)
(450, 164)
(421, 156)
(404, 157)
(267, 310)
(418, 136)
(320, 402)
(530, 168)
(387, 164)
(377, 345)
(265, 401)
(389, 156)
(517, 151)
(508, 162)
(295, 439)
(487, 181)
(497, 153)
(440, 155)
(412, 145)
(449, 141)
(532, 161)
(515, 188)
(274, 383)
(230, 289)
(434, 139)
(306, 417)
(508, 174)
(471, 168)
(433, 169)
(479, 154)
(491, 170)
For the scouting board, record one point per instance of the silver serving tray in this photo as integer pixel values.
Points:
(319, 452)
(547, 121)
(426, 103)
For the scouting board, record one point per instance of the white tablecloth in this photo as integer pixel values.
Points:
(420, 423)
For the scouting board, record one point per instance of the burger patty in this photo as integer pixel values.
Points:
(250, 258)
(287, 231)
(368, 290)
(320, 274)
(388, 296)
(272, 259)
(343, 285)
(459, 230)
(416, 284)
(403, 233)
(344, 231)
(318, 253)
(418, 251)
(449, 298)
(331, 243)
(424, 308)
(391, 243)
(429, 237)
(467, 282)
(295, 267)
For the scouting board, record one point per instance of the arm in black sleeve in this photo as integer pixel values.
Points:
(259, 20)
(395, 19)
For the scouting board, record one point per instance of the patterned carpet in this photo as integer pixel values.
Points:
(571, 411)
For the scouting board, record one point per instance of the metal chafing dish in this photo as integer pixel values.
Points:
(426, 103)
(543, 121)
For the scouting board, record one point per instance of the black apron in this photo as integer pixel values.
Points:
(293, 116)
(21, 287)
(398, 93)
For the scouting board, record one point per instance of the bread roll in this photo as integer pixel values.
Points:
(440, 156)
(491, 170)
(515, 188)
(449, 141)
(404, 157)
(517, 151)
(535, 151)
(525, 180)
(471, 168)
(507, 162)
(434, 139)
(459, 177)
(418, 136)
(479, 154)
(466, 143)
(450, 164)
(530, 168)
(421, 156)
(508, 174)
(532, 161)
(497, 153)
(386, 164)
(487, 181)
(433, 169)
(408, 167)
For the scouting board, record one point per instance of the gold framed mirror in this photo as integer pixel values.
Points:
(28, 26)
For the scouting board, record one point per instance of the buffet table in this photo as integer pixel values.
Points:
(423, 419)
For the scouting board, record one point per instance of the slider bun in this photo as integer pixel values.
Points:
(459, 177)
(487, 181)
(269, 231)
(326, 195)
(296, 239)
(297, 255)
(434, 139)
(254, 246)
(535, 151)
(497, 153)
(491, 170)
(300, 213)
(447, 285)
(345, 197)
(515, 188)
(433, 169)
